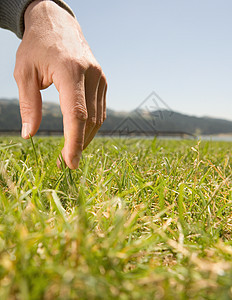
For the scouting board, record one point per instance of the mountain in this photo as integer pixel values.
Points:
(137, 121)
(165, 121)
(10, 119)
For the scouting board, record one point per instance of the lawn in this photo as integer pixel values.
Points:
(140, 219)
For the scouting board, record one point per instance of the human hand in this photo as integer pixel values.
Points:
(54, 50)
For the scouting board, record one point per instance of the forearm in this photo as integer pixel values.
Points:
(12, 14)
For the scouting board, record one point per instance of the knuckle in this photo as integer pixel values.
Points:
(91, 122)
(98, 70)
(99, 122)
(94, 70)
(74, 65)
(79, 111)
(21, 72)
(25, 108)
(18, 73)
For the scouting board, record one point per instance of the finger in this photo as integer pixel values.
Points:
(73, 107)
(104, 103)
(30, 102)
(92, 79)
(100, 111)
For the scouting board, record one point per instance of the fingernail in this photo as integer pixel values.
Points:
(26, 130)
(75, 161)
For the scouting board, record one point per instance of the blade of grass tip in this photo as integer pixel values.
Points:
(180, 203)
(70, 176)
(59, 207)
(33, 146)
(82, 208)
(66, 170)
(62, 163)
(56, 184)
(67, 174)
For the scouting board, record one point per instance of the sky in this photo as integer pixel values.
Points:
(182, 50)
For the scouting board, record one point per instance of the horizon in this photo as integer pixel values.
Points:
(130, 111)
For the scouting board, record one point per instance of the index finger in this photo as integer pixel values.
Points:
(73, 108)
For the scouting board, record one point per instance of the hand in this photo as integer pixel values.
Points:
(54, 50)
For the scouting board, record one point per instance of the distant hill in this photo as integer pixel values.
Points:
(135, 121)
(165, 121)
(10, 116)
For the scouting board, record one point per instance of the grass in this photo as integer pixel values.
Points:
(140, 219)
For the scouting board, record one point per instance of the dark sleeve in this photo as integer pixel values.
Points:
(12, 14)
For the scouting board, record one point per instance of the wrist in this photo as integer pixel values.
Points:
(60, 3)
(32, 5)
(46, 4)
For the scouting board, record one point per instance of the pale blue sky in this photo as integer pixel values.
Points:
(180, 49)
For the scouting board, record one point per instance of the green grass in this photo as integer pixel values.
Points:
(140, 219)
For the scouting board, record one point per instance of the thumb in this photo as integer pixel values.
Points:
(30, 104)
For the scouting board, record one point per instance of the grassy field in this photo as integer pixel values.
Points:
(140, 219)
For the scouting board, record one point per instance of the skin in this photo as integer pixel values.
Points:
(54, 50)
